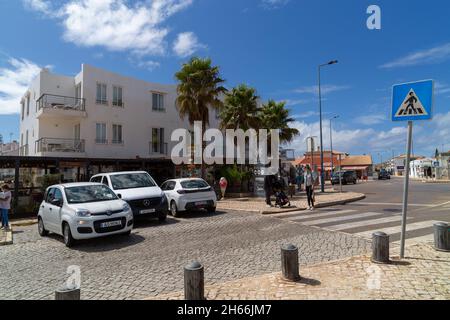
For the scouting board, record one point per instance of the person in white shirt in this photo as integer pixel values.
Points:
(5, 205)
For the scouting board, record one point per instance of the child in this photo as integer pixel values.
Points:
(5, 205)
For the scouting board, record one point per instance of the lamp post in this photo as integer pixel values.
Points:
(322, 180)
(331, 142)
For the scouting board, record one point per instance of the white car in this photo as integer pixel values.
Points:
(139, 190)
(82, 211)
(189, 194)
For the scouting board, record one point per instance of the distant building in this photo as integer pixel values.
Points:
(362, 164)
(422, 168)
(396, 166)
(9, 149)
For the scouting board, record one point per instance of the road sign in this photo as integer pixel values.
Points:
(413, 101)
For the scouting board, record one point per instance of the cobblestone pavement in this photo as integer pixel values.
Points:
(150, 262)
(423, 275)
(258, 205)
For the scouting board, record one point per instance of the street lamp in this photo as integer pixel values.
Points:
(331, 142)
(322, 180)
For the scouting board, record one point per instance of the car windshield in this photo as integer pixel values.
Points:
(131, 181)
(194, 184)
(337, 174)
(86, 194)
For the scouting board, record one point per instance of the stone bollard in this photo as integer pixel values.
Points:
(380, 247)
(289, 262)
(67, 294)
(441, 237)
(194, 283)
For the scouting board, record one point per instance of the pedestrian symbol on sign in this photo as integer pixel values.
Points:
(411, 106)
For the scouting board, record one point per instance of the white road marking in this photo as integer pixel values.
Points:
(304, 216)
(396, 204)
(397, 229)
(344, 218)
(364, 223)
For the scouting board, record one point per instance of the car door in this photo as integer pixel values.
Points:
(54, 210)
(169, 189)
(45, 213)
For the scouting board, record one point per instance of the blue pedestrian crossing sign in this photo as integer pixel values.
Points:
(413, 101)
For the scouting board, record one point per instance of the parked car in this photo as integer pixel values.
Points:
(189, 194)
(383, 174)
(346, 177)
(83, 211)
(139, 190)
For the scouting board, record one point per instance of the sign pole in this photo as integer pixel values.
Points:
(405, 190)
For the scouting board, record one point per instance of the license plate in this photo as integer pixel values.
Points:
(147, 211)
(201, 203)
(111, 224)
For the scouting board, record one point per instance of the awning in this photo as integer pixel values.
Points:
(355, 167)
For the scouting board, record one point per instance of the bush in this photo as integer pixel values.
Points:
(48, 180)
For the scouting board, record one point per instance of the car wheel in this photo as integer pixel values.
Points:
(162, 217)
(41, 228)
(211, 209)
(173, 209)
(69, 241)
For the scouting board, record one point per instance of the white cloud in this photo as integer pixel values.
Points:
(273, 4)
(429, 56)
(15, 79)
(186, 44)
(116, 25)
(369, 120)
(325, 89)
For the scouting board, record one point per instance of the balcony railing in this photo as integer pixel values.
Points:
(50, 101)
(158, 149)
(60, 145)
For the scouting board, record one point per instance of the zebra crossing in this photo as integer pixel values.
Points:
(364, 224)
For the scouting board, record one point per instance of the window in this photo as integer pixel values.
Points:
(97, 179)
(105, 181)
(50, 195)
(101, 93)
(23, 109)
(76, 132)
(100, 133)
(157, 144)
(157, 102)
(28, 105)
(58, 195)
(117, 134)
(117, 96)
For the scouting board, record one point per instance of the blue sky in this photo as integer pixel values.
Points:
(273, 45)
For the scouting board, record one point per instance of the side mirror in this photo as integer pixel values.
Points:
(57, 202)
(119, 196)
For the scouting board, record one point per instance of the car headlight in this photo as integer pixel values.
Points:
(126, 207)
(83, 213)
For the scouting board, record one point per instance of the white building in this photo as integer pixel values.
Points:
(99, 114)
(422, 168)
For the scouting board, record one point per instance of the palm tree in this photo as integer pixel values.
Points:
(199, 87)
(274, 115)
(240, 110)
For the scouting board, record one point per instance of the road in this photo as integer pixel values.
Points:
(382, 208)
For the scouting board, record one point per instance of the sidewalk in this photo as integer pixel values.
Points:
(423, 275)
(258, 205)
(6, 237)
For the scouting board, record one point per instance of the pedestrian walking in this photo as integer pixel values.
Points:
(309, 185)
(268, 186)
(5, 205)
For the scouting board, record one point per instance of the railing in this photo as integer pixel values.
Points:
(158, 149)
(24, 150)
(60, 145)
(50, 101)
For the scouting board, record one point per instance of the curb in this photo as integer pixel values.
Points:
(24, 223)
(320, 205)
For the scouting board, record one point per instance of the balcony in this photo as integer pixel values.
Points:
(60, 106)
(158, 149)
(62, 146)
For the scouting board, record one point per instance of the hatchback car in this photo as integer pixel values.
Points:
(83, 211)
(346, 177)
(139, 190)
(189, 194)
